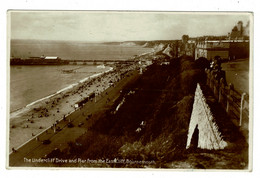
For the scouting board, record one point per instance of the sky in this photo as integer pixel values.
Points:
(119, 26)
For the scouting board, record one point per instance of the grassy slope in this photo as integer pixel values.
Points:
(163, 99)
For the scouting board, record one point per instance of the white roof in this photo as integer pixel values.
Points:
(51, 57)
(217, 41)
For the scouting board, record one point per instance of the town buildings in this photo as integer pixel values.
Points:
(235, 45)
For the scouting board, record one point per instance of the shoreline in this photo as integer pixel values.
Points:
(60, 91)
(82, 119)
(35, 117)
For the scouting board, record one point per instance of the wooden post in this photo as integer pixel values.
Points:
(229, 96)
(221, 91)
(211, 79)
(216, 86)
(208, 76)
(241, 108)
(54, 128)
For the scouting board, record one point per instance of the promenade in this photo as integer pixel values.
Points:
(35, 149)
(237, 72)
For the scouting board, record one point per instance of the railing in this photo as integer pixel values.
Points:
(235, 103)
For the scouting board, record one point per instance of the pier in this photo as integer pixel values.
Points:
(89, 61)
(59, 61)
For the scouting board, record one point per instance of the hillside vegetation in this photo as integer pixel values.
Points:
(152, 123)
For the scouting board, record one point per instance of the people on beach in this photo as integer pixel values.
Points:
(63, 104)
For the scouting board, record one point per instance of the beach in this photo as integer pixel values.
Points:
(37, 117)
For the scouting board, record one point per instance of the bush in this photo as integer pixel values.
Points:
(163, 99)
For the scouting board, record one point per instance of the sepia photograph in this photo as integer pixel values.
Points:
(129, 89)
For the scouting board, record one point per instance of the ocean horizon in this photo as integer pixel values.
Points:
(75, 50)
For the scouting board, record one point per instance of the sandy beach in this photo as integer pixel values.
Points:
(38, 117)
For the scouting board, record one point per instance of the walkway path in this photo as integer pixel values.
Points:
(35, 149)
(237, 72)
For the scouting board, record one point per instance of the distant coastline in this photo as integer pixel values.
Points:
(74, 50)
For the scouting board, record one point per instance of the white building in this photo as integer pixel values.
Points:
(223, 48)
(210, 49)
(52, 57)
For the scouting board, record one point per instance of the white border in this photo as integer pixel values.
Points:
(161, 5)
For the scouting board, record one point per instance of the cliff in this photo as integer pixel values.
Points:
(169, 51)
(152, 123)
(149, 124)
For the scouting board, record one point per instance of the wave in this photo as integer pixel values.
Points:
(62, 90)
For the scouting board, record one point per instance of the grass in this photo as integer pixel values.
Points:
(163, 100)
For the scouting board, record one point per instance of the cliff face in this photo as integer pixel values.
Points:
(128, 44)
(169, 51)
(159, 48)
(172, 49)
(166, 48)
(152, 123)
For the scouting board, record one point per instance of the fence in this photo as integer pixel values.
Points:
(235, 103)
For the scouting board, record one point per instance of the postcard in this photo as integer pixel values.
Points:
(130, 89)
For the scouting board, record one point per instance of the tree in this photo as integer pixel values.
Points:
(234, 29)
(185, 38)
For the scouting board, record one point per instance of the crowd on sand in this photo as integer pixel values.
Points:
(34, 119)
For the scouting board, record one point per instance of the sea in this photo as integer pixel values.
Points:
(29, 84)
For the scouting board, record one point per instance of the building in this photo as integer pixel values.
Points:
(186, 46)
(237, 31)
(225, 49)
(233, 46)
(51, 58)
(185, 39)
(239, 49)
(210, 49)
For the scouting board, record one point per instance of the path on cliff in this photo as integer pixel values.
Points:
(237, 72)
